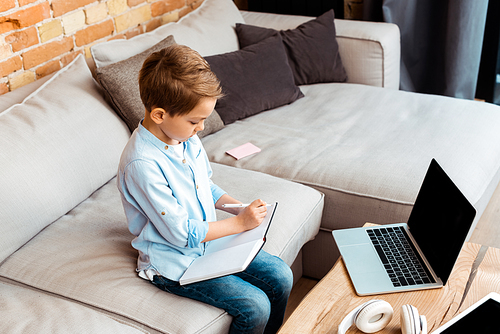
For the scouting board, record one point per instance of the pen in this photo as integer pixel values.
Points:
(235, 205)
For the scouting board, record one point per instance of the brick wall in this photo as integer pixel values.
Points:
(39, 37)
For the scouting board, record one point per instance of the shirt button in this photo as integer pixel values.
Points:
(197, 187)
(166, 147)
(184, 161)
(163, 213)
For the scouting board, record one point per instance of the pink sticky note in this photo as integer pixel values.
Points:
(243, 151)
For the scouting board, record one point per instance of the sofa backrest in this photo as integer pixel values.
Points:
(57, 147)
(209, 30)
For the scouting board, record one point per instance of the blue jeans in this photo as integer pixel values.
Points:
(256, 297)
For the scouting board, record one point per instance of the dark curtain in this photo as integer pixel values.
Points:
(488, 80)
(441, 42)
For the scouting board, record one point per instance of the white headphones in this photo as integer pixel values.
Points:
(411, 321)
(374, 315)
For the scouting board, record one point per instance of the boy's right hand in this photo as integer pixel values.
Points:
(253, 215)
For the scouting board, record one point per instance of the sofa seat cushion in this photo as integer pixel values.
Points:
(24, 310)
(297, 218)
(86, 255)
(368, 148)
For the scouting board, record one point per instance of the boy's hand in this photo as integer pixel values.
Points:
(253, 215)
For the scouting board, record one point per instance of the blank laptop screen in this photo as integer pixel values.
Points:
(440, 220)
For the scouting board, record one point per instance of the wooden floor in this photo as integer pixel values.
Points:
(487, 233)
(299, 291)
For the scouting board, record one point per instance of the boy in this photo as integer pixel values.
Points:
(164, 178)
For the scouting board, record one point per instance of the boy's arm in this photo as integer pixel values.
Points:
(226, 199)
(246, 219)
(151, 194)
(155, 197)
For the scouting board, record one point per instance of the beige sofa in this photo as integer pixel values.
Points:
(343, 154)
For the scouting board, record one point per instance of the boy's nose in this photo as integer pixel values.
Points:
(201, 126)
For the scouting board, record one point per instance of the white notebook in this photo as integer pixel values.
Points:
(229, 255)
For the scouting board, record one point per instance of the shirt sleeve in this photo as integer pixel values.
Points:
(149, 188)
(217, 192)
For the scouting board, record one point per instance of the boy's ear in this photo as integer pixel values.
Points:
(157, 115)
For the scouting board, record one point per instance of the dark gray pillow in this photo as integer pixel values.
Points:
(254, 79)
(120, 83)
(312, 49)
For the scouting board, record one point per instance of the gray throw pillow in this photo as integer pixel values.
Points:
(254, 79)
(120, 83)
(312, 49)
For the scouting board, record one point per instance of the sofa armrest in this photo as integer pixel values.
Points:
(370, 51)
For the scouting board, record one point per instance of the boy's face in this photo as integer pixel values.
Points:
(177, 129)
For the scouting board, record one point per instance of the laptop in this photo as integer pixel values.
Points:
(413, 256)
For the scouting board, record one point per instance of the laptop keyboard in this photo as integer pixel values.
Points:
(399, 257)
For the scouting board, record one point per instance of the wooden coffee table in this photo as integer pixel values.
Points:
(476, 273)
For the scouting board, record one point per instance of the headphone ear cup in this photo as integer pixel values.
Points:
(374, 316)
(423, 323)
(411, 321)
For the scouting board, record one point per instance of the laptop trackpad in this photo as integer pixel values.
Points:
(362, 258)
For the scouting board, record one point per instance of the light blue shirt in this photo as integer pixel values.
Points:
(168, 199)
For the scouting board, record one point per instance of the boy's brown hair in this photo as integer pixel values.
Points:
(175, 79)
